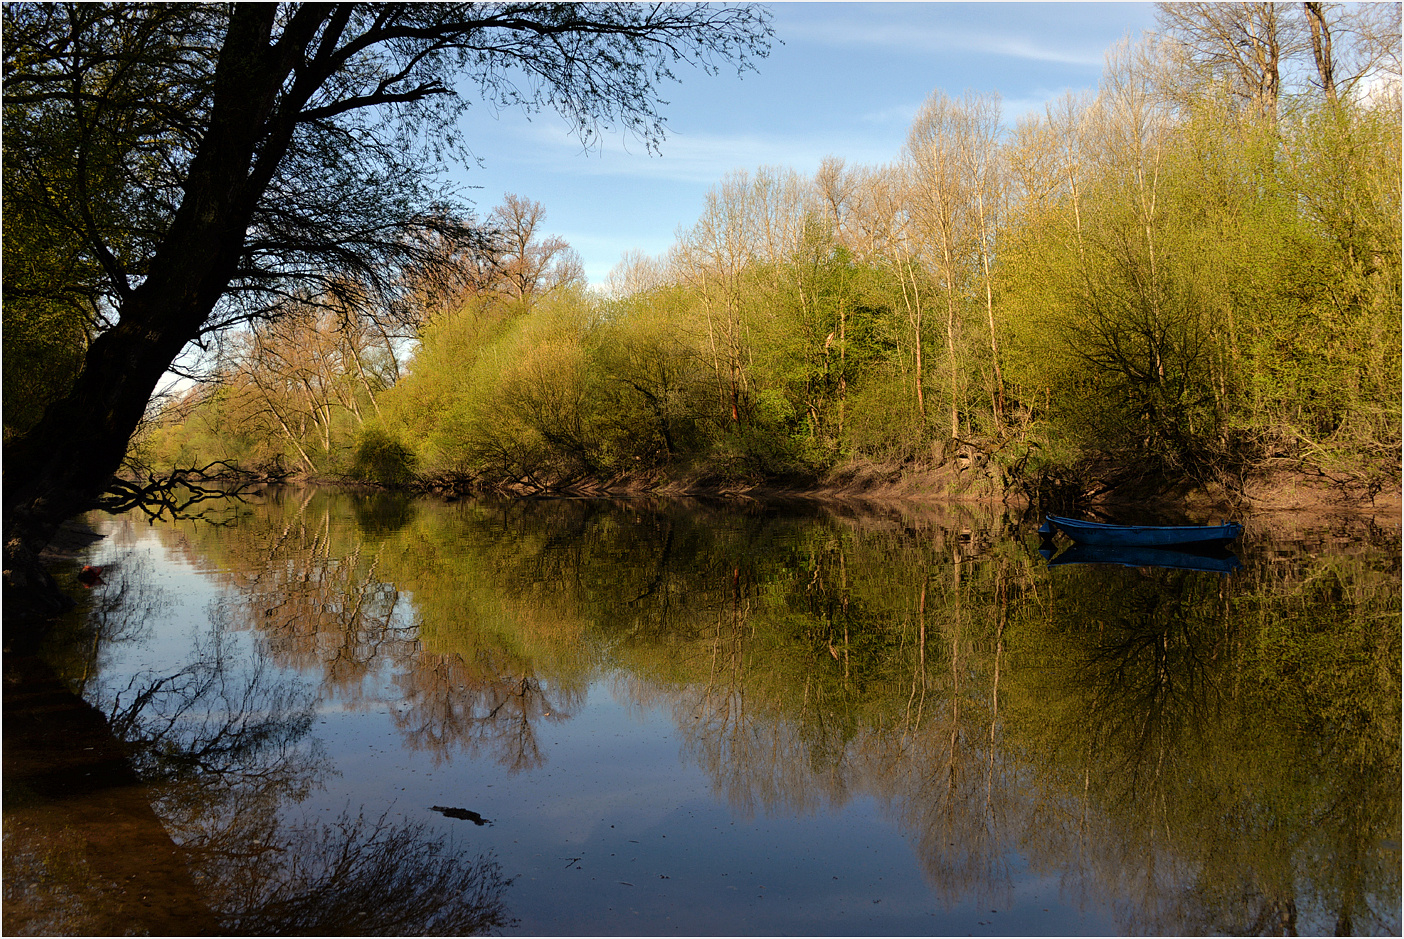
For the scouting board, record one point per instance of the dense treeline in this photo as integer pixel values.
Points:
(1193, 274)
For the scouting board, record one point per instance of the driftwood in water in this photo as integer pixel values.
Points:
(466, 814)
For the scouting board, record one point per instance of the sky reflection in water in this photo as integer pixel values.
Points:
(702, 719)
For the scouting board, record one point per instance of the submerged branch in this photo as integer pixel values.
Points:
(176, 493)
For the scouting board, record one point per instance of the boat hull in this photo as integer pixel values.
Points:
(1146, 536)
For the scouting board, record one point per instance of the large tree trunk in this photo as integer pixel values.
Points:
(60, 467)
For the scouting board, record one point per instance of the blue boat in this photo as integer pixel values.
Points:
(1144, 536)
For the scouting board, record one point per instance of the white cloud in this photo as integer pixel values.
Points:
(700, 157)
(911, 39)
(897, 114)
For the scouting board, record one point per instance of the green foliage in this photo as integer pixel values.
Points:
(1177, 290)
(655, 402)
(49, 305)
(213, 425)
(382, 459)
(44, 347)
(1230, 325)
(427, 406)
(533, 412)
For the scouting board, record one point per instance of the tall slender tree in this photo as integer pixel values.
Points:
(982, 164)
(941, 204)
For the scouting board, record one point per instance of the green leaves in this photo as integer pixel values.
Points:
(1203, 307)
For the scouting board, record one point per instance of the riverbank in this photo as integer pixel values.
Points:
(1276, 491)
(1102, 490)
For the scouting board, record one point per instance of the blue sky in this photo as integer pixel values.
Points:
(842, 79)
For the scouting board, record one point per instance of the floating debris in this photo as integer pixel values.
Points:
(468, 815)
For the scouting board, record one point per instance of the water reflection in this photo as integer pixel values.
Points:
(1200, 717)
(223, 744)
(1216, 561)
(223, 749)
(1188, 752)
(489, 706)
(357, 876)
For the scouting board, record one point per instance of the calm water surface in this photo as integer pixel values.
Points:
(370, 713)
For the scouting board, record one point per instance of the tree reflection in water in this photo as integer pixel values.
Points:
(1188, 752)
(223, 745)
(358, 876)
(121, 609)
(490, 705)
(1235, 741)
(315, 590)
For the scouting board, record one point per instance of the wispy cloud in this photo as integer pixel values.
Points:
(701, 157)
(897, 114)
(1034, 104)
(926, 40)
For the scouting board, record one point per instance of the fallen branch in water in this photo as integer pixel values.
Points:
(174, 494)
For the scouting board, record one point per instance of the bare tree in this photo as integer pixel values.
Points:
(713, 256)
(1031, 159)
(873, 214)
(1071, 121)
(982, 163)
(1352, 44)
(886, 234)
(1243, 44)
(526, 262)
(837, 187)
(636, 273)
(1321, 49)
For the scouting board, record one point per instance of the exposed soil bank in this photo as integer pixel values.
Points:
(1293, 490)
(1099, 489)
(1283, 490)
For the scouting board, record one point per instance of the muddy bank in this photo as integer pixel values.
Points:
(84, 852)
(1097, 489)
(1284, 490)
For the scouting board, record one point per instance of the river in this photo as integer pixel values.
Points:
(371, 713)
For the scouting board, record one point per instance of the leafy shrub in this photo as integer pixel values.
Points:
(382, 459)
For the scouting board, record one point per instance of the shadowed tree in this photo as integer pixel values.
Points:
(212, 160)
